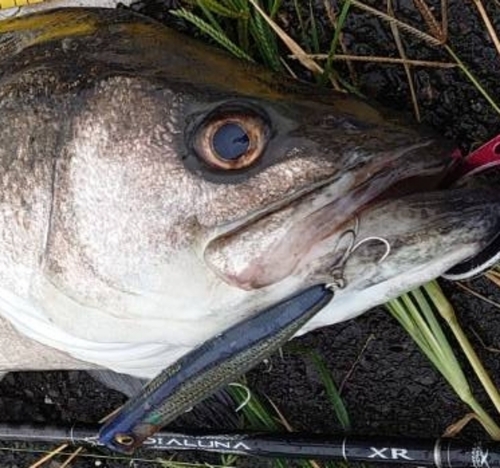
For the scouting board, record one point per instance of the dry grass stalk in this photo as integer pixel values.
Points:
(480, 296)
(294, 48)
(49, 456)
(401, 50)
(400, 24)
(71, 458)
(454, 429)
(439, 31)
(388, 60)
(489, 26)
(494, 277)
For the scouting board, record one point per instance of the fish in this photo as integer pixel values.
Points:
(155, 191)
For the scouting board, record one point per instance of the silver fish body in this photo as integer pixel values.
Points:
(126, 240)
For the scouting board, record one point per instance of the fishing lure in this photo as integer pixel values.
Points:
(207, 368)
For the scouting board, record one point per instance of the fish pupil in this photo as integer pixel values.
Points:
(231, 141)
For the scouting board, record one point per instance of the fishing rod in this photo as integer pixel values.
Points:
(439, 453)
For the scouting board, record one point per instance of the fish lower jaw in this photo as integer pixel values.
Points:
(360, 297)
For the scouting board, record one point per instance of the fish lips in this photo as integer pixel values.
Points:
(302, 240)
(426, 235)
(485, 176)
(478, 264)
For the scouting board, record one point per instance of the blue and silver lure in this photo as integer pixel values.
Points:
(207, 368)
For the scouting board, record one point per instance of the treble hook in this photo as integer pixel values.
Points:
(339, 281)
(375, 238)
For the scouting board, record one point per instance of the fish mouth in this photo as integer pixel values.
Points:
(485, 175)
(487, 258)
(306, 238)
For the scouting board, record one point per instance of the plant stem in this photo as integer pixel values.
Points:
(448, 314)
(473, 79)
(485, 419)
(415, 313)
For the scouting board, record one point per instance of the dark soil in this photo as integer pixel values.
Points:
(387, 385)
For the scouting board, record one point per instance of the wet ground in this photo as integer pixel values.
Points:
(387, 385)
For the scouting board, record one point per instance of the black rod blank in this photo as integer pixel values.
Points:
(439, 453)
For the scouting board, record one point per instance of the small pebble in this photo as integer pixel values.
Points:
(48, 401)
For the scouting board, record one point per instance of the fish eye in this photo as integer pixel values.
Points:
(232, 140)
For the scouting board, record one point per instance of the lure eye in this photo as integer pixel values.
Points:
(232, 141)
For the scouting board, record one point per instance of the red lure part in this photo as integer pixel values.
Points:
(485, 157)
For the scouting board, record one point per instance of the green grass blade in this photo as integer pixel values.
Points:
(331, 390)
(255, 412)
(259, 417)
(242, 21)
(219, 9)
(211, 18)
(447, 312)
(237, 5)
(314, 30)
(256, 416)
(265, 40)
(324, 374)
(415, 312)
(430, 341)
(213, 33)
(274, 7)
(425, 303)
(302, 27)
(243, 34)
(399, 311)
(335, 41)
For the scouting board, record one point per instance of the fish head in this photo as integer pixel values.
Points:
(192, 189)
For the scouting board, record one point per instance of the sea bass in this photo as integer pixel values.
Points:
(155, 192)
